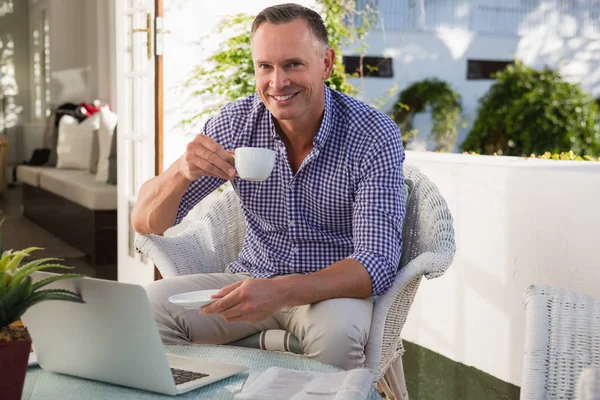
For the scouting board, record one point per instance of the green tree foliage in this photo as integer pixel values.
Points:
(528, 111)
(228, 74)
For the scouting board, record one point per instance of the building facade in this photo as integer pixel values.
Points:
(463, 41)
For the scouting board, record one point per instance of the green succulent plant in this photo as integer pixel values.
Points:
(18, 292)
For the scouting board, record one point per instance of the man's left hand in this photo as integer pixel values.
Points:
(251, 300)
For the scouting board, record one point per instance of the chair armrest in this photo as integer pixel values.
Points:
(188, 253)
(389, 315)
(208, 245)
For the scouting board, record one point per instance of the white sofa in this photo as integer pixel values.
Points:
(77, 186)
(72, 205)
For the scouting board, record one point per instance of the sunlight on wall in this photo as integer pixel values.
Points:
(37, 75)
(6, 7)
(47, 62)
(9, 110)
(41, 69)
(458, 41)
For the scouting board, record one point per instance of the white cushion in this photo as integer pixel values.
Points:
(80, 187)
(74, 148)
(29, 174)
(108, 122)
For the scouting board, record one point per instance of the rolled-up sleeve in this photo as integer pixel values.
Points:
(379, 209)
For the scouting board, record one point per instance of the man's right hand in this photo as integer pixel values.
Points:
(205, 157)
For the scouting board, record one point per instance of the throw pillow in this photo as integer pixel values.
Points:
(52, 123)
(106, 133)
(74, 147)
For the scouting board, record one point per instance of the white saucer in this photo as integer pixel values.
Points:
(194, 300)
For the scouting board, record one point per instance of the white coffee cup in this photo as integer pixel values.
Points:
(254, 163)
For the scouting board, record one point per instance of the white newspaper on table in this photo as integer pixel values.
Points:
(288, 384)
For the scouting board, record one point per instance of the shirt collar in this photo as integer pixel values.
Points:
(326, 124)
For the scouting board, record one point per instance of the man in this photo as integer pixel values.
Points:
(323, 232)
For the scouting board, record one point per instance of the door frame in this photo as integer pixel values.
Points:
(159, 12)
(158, 79)
(115, 16)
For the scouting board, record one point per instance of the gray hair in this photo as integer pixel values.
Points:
(285, 13)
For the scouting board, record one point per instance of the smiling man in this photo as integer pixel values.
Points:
(323, 232)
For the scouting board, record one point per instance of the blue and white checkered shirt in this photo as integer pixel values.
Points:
(345, 201)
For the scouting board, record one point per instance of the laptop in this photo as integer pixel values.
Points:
(113, 338)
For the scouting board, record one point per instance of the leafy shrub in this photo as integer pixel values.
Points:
(528, 111)
(445, 110)
(567, 156)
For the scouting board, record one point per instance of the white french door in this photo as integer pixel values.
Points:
(135, 86)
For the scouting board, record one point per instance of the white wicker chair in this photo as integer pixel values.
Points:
(428, 249)
(562, 339)
(588, 384)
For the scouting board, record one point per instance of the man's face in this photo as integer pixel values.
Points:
(290, 69)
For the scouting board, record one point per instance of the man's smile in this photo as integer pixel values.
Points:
(283, 98)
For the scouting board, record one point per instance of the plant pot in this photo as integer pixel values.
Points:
(13, 366)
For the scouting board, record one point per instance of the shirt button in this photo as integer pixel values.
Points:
(294, 249)
(292, 223)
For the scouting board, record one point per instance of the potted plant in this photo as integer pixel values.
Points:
(17, 294)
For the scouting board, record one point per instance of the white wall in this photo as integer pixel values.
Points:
(33, 138)
(518, 222)
(98, 44)
(68, 50)
(420, 55)
(79, 52)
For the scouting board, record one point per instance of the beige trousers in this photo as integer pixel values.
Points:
(332, 331)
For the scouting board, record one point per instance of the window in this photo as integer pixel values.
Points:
(380, 67)
(484, 69)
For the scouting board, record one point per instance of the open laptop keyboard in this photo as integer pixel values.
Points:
(183, 376)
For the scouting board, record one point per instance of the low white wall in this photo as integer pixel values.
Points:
(518, 222)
